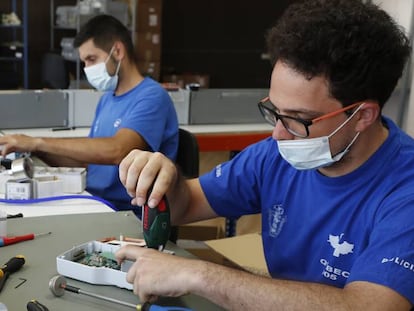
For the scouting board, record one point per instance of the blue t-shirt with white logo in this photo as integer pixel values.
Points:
(357, 227)
(146, 109)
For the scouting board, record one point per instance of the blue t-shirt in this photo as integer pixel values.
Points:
(356, 227)
(146, 109)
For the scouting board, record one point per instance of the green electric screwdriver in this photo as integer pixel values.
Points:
(156, 224)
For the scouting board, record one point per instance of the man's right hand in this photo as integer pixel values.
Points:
(18, 143)
(141, 170)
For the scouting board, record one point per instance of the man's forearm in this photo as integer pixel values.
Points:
(61, 161)
(237, 290)
(188, 202)
(80, 150)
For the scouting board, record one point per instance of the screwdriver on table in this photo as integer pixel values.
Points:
(4, 241)
(58, 286)
(35, 305)
(10, 267)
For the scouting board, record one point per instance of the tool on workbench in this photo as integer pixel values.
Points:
(4, 241)
(22, 167)
(58, 285)
(156, 224)
(34, 305)
(18, 215)
(10, 267)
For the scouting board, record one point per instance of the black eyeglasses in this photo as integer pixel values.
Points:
(295, 126)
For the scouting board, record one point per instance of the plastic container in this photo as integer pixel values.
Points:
(3, 223)
(94, 275)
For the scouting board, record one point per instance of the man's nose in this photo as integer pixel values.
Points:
(280, 132)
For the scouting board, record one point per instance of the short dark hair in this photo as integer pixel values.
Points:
(356, 46)
(104, 30)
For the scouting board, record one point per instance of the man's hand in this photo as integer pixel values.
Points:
(141, 170)
(158, 274)
(17, 143)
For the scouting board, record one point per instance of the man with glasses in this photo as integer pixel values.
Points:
(334, 184)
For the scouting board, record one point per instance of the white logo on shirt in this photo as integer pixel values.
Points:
(117, 122)
(340, 248)
(399, 261)
(277, 219)
(218, 170)
(333, 273)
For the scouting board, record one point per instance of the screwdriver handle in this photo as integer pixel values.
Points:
(156, 224)
(150, 307)
(4, 241)
(13, 264)
(9, 267)
(35, 305)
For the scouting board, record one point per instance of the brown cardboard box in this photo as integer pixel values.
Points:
(245, 251)
(148, 16)
(151, 69)
(148, 46)
(183, 79)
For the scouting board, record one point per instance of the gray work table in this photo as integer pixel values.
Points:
(68, 231)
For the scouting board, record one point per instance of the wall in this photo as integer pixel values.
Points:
(223, 39)
(402, 12)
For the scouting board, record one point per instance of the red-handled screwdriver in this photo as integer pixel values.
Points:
(4, 241)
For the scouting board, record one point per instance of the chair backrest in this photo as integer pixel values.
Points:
(55, 74)
(188, 159)
(188, 154)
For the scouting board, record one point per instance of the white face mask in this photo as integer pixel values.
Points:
(99, 77)
(305, 154)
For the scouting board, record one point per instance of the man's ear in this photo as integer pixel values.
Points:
(119, 50)
(367, 115)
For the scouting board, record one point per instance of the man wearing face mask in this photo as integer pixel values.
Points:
(134, 112)
(334, 184)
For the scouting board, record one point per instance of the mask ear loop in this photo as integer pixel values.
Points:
(110, 53)
(109, 56)
(347, 120)
(340, 154)
(118, 67)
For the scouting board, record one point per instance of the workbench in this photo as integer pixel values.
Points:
(68, 231)
(210, 138)
(57, 207)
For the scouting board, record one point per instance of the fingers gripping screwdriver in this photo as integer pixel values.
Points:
(9, 267)
(156, 224)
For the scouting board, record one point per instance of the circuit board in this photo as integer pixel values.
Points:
(96, 259)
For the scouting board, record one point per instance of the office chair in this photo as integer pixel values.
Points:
(55, 74)
(188, 159)
(188, 153)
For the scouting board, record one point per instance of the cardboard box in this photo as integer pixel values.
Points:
(148, 16)
(199, 232)
(148, 46)
(183, 79)
(245, 251)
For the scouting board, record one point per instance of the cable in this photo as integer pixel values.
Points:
(57, 198)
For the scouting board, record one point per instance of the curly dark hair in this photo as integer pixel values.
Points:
(357, 47)
(104, 30)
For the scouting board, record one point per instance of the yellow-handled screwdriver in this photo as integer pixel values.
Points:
(10, 267)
